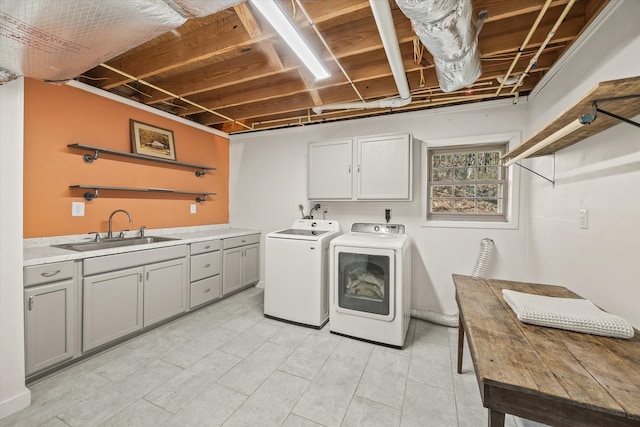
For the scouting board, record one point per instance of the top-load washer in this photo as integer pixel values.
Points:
(370, 286)
(296, 276)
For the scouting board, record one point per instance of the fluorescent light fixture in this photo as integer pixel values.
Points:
(571, 127)
(273, 13)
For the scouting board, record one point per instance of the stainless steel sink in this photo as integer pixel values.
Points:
(113, 243)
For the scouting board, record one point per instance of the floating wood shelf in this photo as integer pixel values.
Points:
(201, 170)
(603, 94)
(202, 196)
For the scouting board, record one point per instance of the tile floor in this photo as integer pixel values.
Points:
(228, 365)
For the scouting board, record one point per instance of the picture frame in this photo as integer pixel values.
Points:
(152, 141)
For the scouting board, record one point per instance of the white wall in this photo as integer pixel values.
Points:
(269, 179)
(600, 174)
(13, 393)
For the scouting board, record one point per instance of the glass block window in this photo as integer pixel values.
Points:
(467, 183)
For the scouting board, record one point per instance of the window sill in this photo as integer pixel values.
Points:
(510, 225)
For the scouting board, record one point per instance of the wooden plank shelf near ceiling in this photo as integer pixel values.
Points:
(202, 196)
(201, 170)
(602, 93)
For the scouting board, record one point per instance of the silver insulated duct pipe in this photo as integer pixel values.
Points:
(449, 30)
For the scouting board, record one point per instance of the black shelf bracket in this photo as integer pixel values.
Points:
(588, 118)
(551, 180)
(90, 196)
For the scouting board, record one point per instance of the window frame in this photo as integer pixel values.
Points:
(502, 147)
(510, 219)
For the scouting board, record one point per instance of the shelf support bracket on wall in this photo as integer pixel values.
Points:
(588, 118)
(90, 196)
(551, 180)
(89, 158)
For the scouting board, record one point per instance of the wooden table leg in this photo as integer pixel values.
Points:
(460, 343)
(496, 418)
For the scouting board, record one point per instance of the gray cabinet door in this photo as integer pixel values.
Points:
(50, 324)
(232, 270)
(164, 290)
(112, 306)
(251, 265)
(241, 267)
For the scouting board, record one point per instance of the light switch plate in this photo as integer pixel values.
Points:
(77, 208)
(584, 218)
(193, 208)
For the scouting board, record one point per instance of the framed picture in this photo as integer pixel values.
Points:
(152, 141)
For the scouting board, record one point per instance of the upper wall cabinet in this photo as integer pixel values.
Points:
(375, 167)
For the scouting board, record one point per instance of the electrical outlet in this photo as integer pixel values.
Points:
(192, 208)
(77, 208)
(584, 218)
(325, 210)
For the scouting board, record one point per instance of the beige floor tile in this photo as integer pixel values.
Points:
(365, 413)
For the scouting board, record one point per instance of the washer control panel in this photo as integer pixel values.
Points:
(363, 227)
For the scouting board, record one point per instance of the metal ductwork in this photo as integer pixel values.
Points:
(449, 30)
(57, 40)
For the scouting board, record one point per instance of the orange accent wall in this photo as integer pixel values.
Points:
(58, 115)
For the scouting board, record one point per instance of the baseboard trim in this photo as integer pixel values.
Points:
(15, 403)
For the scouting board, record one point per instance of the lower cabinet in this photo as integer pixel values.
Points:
(240, 262)
(50, 325)
(164, 294)
(113, 304)
(118, 301)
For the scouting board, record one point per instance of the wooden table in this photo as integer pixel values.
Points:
(556, 377)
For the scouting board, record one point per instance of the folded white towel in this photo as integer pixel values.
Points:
(579, 315)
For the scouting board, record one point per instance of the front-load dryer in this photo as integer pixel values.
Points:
(370, 283)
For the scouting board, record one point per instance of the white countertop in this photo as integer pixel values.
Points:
(40, 251)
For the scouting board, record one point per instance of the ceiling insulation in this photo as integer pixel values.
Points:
(56, 40)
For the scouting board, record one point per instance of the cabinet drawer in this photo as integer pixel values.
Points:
(102, 264)
(202, 247)
(205, 290)
(47, 273)
(205, 265)
(234, 242)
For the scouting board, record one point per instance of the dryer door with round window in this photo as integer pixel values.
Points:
(365, 281)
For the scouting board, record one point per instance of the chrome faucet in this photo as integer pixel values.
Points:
(110, 232)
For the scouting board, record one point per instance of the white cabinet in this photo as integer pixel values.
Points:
(205, 269)
(125, 293)
(365, 168)
(330, 164)
(240, 262)
(50, 315)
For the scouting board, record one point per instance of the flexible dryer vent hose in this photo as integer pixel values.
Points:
(480, 269)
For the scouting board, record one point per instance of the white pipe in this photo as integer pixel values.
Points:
(571, 127)
(384, 20)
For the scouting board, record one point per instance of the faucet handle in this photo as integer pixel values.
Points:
(142, 228)
(121, 235)
(97, 238)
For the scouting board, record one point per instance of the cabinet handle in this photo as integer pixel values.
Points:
(206, 266)
(349, 168)
(147, 276)
(45, 274)
(358, 169)
(140, 277)
(31, 303)
(206, 291)
(207, 247)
